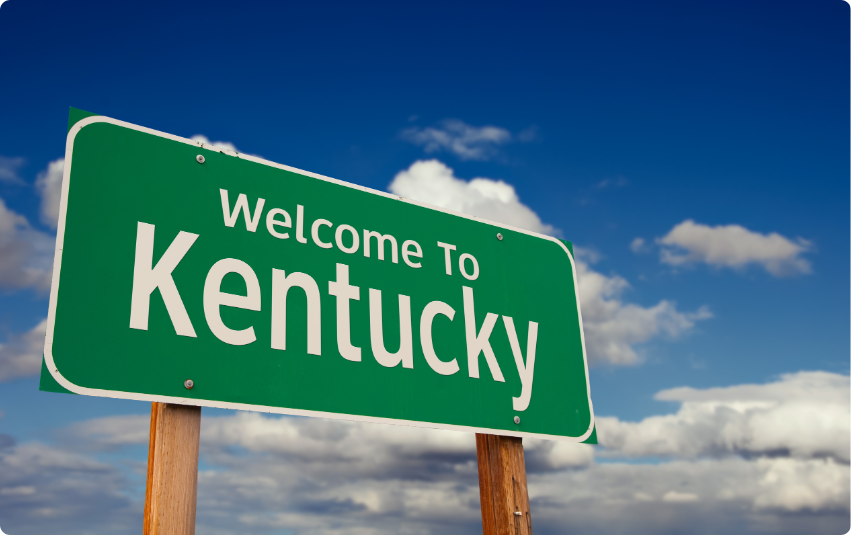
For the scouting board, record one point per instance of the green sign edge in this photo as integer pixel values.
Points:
(47, 383)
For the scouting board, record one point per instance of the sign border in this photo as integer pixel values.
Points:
(57, 264)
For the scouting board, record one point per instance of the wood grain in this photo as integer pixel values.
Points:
(502, 485)
(172, 486)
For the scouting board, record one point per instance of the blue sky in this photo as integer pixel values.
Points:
(613, 121)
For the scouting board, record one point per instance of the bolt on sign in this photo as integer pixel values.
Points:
(190, 274)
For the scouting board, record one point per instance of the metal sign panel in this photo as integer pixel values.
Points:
(189, 274)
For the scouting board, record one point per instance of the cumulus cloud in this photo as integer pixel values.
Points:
(320, 440)
(256, 492)
(347, 477)
(323, 476)
(46, 489)
(26, 254)
(320, 476)
(20, 355)
(793, 485)
(48, 183)
(730, 495)
(110, 432)
(638, 245)
(674, 496)
(612, 327)
(734, 246)
(465, 141)
(9, 170)
(746, 458)
(548, 455)
(310, 475)
(305, 475)
(802, 415)
(432, 182)
(264, 472)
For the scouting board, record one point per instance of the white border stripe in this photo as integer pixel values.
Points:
(57, 264)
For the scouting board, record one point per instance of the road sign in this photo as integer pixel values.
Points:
(190, 274)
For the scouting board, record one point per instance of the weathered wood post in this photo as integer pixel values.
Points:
(502, 485)
(172, 487)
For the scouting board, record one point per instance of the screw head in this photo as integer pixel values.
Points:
(189, 383)
(200, 158)
(499, 236)
(517, 420)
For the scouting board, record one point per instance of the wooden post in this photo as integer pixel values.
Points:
(502, 485)
(172, 486)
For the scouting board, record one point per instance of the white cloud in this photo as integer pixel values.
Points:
(328, 442)
(311, 475)
(612, 327)
(49, 186)
(735, 247)
(111, 432)
(17, 491)
(548, 455)
(333, 472)
(21, 355)
(465, 141)
(305, 475)
(681, 497)
(745, 458)
(730, 495)
(638, 245)
(46, 489)
(9, 170)
(26, 254)
(349, 447)
(432, 182)
(793, 485)
(803, 415)
(227, 145)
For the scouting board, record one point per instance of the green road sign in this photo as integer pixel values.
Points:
(277, 290)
